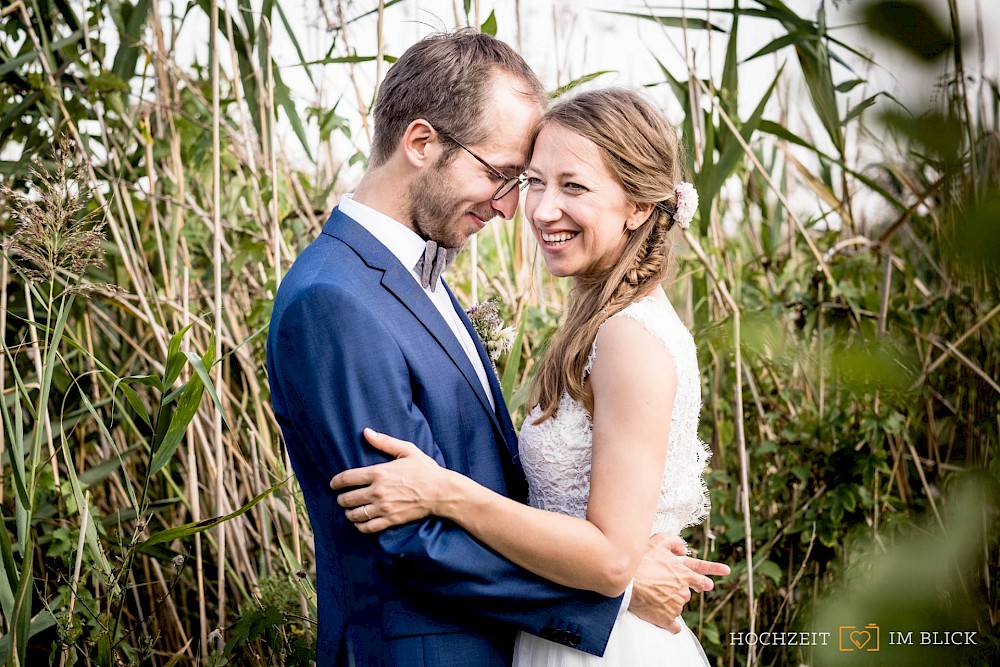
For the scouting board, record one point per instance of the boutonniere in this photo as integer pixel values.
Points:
(489, 327)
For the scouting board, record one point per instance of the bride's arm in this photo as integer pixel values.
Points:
(634, 382)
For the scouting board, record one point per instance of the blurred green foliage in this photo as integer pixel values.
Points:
(865, 366)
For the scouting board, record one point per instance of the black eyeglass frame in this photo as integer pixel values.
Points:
(509, 182)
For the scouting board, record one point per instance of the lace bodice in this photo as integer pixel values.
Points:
(556, 454)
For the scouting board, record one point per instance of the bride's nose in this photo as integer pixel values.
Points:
(542, 207)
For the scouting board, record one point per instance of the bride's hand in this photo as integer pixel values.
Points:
(392, 493)
(665, 579)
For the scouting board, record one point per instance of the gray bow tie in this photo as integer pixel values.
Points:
(435, 260)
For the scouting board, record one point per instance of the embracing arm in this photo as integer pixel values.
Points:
(633, 382)
(337, 369)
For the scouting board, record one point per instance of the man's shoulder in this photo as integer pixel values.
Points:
(326, 261)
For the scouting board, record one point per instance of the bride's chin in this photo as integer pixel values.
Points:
(557, 271)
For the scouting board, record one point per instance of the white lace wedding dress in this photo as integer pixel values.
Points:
(556, 456)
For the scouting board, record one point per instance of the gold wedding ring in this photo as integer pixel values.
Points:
(364, 508)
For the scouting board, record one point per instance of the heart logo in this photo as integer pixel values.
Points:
(860, 638)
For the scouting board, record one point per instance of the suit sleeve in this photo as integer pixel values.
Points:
(350, 375)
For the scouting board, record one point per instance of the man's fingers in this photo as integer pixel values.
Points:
(675, 627)
(394, 447)
(355, 498)
(353, 477)
(361, 513)
(373, 526)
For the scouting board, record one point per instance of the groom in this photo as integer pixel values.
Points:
(364, 333)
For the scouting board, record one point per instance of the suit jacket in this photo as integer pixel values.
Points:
(354, 342)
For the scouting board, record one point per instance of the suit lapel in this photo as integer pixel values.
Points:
(400, 282)
(507, 426)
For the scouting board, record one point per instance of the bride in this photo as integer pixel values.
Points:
(610, 450)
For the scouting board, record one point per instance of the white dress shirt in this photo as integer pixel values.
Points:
(408, 248)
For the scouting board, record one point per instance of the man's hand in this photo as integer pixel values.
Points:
(665, 579)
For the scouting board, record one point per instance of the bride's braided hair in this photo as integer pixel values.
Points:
(640, 149)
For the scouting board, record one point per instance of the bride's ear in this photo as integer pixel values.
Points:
(638, 216)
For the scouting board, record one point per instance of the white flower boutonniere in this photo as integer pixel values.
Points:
(490, 328)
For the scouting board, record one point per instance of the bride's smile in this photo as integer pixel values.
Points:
(578, 211)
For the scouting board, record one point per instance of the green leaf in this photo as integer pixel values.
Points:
(848, 86)
(245, 9)
(176, 660)
(710, 181)
(91, 537)
(14, 63)
(940, 134)
(909, 25)
(10, 575)
(43, 621)
(20, 621)
(562, 90)
(14, 426)
(244, 48)
(375, 11)
(175, 360)
(789, 39)
(346, 59)
(770, 570)
(672, 21)
(295, 42)
(859, 109)
(256, 334)
(133, 400)
(513, 364)
(200, 367)
(107, 435)
(814, 61)
(976, 240)
(683, 95)
(187, 407)
(730, 72)
(489, 26)
(100, 472)
(782, 132)
(188, 529)
(283, 99)
(131, 35)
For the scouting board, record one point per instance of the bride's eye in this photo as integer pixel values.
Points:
(532, 181)
(574, 187)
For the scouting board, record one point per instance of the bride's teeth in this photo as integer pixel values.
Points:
(557, 238)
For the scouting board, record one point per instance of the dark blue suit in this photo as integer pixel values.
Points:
(355, 342)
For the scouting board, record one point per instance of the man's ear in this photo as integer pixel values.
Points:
(419, 143)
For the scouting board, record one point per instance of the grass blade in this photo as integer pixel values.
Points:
(179, 532)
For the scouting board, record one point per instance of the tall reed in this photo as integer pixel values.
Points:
(849, 357)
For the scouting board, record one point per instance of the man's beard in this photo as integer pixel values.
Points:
(435, 212)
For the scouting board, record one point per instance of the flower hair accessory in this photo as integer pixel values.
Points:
(685, 204)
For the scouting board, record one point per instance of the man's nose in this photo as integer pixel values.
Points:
(506, 205)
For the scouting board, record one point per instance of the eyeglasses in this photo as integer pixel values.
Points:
(509, 182)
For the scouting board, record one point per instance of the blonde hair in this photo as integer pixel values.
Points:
(640, 149)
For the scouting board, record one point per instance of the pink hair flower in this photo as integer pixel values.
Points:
(685, 205)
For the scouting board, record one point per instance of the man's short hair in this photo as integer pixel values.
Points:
(446, 79)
